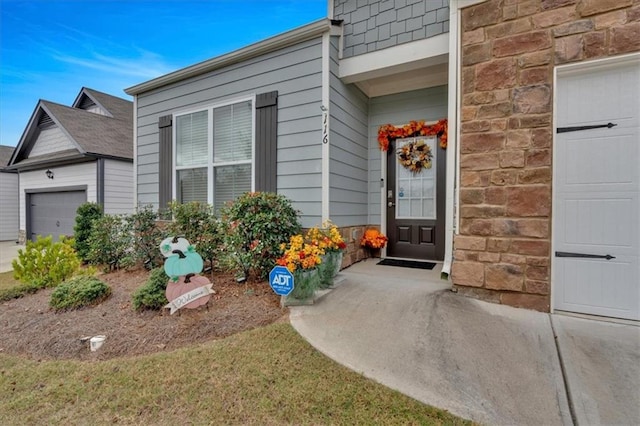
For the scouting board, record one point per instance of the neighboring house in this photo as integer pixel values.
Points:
(302, 114)
(9, 209)
(71, 155)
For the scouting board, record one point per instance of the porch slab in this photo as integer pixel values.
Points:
(403, 328)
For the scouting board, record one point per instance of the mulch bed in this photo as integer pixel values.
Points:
(28, 327)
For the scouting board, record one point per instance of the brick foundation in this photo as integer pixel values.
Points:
(509, 50)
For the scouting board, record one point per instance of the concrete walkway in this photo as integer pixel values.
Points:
(8, 252)
(490, 363)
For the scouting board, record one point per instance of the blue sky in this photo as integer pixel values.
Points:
(49, 49)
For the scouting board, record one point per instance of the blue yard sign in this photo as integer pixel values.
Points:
(281, 280)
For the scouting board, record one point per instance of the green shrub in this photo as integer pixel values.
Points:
(198, 224)
(254, 227)
(18, 291)
(44, 263)
(147, 237)
(78, 292)
(152, 294)
(111, 243)
(86, 215)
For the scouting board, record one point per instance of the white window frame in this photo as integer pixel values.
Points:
(211, 165)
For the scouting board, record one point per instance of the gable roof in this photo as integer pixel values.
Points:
(92, 134)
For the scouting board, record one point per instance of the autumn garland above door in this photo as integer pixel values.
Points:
(389, 132)
(414, 155)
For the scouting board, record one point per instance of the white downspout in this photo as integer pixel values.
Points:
(453, 151)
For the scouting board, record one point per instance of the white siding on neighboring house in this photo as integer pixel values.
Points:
(295, 72)
(63, 177)
(398, 109)
(348, 152)
(51, 140)
(118, 187)
(9, 207)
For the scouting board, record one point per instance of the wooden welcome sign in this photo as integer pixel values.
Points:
(185, 288)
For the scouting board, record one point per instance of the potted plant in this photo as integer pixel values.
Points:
(373, 240)
(302, 259)
(328, 239)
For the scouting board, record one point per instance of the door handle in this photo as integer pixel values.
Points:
(391, 204)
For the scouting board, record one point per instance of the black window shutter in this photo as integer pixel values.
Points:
(266, 141)
(164, 161)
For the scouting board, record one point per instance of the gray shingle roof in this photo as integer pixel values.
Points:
(5, 155)
(95, 133)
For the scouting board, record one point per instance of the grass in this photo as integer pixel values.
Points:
(11, 288)
(7, 281)
(265, 376)
(268, 375)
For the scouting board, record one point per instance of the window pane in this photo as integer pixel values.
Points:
(230, 182)
(232, 132)
(191, 139)
(192, 185)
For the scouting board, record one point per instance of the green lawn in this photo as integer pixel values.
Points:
(268, 375)
(7, 281)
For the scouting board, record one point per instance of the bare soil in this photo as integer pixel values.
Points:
(28, 327)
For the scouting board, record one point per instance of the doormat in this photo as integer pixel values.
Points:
(407, 263)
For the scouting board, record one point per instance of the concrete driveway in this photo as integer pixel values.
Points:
(8, 252)
(490, 363)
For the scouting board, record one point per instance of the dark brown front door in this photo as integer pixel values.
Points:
(416, 202)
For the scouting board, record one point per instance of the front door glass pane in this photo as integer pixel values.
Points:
(416, 178)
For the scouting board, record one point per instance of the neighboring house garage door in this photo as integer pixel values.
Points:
(596, 225)
(54, 213)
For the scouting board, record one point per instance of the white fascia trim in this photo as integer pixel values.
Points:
(135, 154)
(280, 41)
(404, 57)
(326, 79)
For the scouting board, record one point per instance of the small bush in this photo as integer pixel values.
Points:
(147, 236)
(86, 215)
(152, 294)
(44, 263)
(111, 243)
(79, 292)
(255, 226)
(18, 291)
(198, 224)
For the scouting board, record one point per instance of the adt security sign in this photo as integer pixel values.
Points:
(281, 280)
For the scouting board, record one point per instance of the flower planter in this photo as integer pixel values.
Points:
(329, 268)
(306, 282)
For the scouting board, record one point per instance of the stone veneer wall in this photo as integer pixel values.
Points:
(509, 50)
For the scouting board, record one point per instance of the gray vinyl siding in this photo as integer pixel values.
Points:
(51, 140)
(295, 73)
(348, 154)
(118, 187)
(398, 109)
(377, 24)
(9, 206)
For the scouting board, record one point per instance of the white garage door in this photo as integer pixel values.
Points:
(54, 213)
(596, 224)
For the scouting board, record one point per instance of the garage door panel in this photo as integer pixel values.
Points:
(54, 213)
(599, 287)
(608, 160)
(614, 216)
